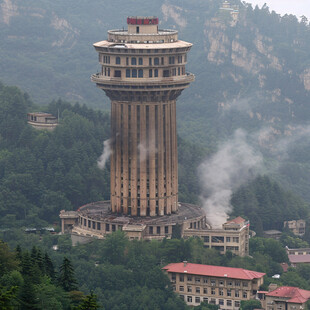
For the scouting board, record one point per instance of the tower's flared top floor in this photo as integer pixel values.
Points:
(142, 30)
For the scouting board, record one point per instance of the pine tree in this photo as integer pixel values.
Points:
(18, 252)
(49, 267)
(7, 296)
(27, 297)
(30, 269)
(66, 278)
(89, 303)
(39, 259)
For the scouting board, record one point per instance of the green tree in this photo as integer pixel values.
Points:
(89, 303)
(206, 306)
(8, 261)
(250, 304)
(49, 267)
(66, 277)
(113, 248)
(27, 295)
(49, 296)
(7, 297)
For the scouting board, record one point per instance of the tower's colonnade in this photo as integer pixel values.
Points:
(143, 72)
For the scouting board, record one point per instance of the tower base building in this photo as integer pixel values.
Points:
(143, 71)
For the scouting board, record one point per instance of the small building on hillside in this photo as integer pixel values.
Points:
(42, 120)
(232, 10)
(286, 298)
(234, 236)
(223, 286)
(298, 256)
(297, 227)
(273, 234)
(299, 259)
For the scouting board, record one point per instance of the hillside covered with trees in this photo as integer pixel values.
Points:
(119, 274)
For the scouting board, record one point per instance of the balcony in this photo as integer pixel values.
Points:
(155, 82)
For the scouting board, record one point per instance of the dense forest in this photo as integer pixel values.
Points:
(118, 274)
(44, 172)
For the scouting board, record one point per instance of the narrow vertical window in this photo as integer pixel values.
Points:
(140, 73)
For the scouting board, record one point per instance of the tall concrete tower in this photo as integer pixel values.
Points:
(143, 72)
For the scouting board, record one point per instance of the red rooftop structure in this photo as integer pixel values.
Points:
(287, 297)
(223, 286)
(213, 271)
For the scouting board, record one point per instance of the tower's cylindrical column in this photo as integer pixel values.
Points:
(144, 158)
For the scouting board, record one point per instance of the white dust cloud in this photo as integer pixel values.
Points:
(232, 165)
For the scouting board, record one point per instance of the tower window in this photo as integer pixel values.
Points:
(156, 61)
(171, 60)
(118, 60)
(140, 73)
(150, 73)
(127, 73)
(156, 72)
(166, 73)
(138, 29)
(140, 61)
(134, 73)
(133, 61)
(150, 61)
(117, 73)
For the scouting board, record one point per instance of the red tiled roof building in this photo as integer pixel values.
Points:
(223, 286)
(287, 297)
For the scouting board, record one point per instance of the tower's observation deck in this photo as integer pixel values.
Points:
(143, 72)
